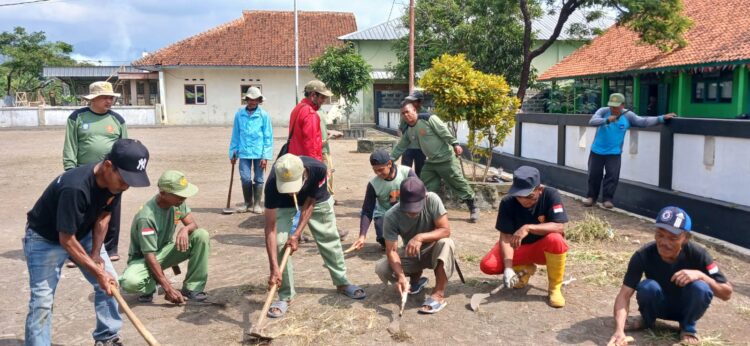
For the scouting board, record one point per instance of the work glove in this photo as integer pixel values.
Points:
(509, 278)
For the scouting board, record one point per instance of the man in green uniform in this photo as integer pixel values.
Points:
(441, 149)
(152, 246)
(90, 133)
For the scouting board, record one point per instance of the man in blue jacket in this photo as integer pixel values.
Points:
(612, 122)
(252, 143)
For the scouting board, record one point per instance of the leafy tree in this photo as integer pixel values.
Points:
(483, 100)
(345, 72)
(25, 54)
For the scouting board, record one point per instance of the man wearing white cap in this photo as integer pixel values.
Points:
(90, 133)
(302, 178)
(252, 143)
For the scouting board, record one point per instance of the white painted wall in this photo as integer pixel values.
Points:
(578, 141)
(539, 142)
(725, 179)
(19, 116)
(223, 94)
(58, 116)
(641, 163)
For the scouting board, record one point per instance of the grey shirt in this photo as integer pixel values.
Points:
(397, 223)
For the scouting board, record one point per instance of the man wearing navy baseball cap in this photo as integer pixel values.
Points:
(681, 280)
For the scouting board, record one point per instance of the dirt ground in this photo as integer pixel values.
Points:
(238, 267)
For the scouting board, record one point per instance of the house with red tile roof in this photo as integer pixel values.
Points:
(202, 78)
(706, 78)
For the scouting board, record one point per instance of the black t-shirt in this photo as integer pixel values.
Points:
(647, 261)
(512, 215)
(71, 204)
(314, 186)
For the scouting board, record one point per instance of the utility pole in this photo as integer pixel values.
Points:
(411, 45)
(296, 55)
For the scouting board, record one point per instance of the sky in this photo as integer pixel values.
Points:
(115, 32)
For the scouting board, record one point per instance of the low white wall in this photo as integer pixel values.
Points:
(539, 142)
(58, 116)
(19, 116)
(640, 157)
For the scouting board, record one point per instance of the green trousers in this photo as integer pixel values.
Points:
(138, 279)
(322, 224)
(450, 172)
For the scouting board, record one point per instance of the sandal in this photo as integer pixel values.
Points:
(689, 338)
(353, 291)
(415, 288)
(281, 307)
(434, 305)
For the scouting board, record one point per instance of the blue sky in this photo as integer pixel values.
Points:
(117, 32)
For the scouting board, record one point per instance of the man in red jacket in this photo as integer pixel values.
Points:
(304, 123)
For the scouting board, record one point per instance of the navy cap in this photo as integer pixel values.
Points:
(130, 157)
(525, 180)
(673, 219)
(379, 157)
(415, 95)
(412, 195)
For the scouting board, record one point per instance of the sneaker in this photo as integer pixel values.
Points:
(588, 202)
(194, 295)
(146, 298)
(115, 341)
(474, 215)
(608, 204)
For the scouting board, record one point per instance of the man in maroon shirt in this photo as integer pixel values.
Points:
(304, 123)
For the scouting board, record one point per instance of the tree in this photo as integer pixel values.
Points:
(483, 100)
(345, 72)
(25, 55)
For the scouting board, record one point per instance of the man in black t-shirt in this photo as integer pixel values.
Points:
(681, 280)
(531, 221)
(306, 178)
(70, 219)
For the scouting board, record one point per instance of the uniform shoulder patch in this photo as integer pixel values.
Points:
(117, 116)
(74, 116)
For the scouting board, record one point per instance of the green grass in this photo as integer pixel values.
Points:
(600, 268)
(469, 258)
(589, 229)
(670, 336)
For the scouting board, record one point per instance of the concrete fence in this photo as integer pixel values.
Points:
(57, 116)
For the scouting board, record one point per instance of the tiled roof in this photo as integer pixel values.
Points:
(390, 30)
(258, 39)
(545, 25)
(720, 35)
(86, 71)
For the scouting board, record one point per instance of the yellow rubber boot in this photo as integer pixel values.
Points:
(555, 275)
(525, 271)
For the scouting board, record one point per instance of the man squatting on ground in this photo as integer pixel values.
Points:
(681, 280)
(606, 152)
(382, 193)
(70, 219)
(153, 244)
(420, 219)
(531, 220)
(89, 135)
(413, 155)
(305, 177)
(441, 149)
(252, 143)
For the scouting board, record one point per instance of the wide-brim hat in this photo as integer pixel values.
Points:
(254, 93)
(97, 89)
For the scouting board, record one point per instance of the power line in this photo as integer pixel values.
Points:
(23, 3)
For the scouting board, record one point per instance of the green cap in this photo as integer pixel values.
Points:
(289, 169)
(174, 182)
(318, 87)
(616, 100)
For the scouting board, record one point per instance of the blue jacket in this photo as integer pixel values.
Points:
(610, 136)
(252, 135)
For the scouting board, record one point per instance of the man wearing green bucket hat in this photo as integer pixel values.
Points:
(153, 244)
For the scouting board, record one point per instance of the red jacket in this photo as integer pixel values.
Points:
(304, 127)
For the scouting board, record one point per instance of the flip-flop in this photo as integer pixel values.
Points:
(351, 292)
(281, 305)
(417, 287)
(683, 334)
(435, 306)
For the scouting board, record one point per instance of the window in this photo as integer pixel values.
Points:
(623, 86)
(245, 87)
(195, 94)
(713, 87)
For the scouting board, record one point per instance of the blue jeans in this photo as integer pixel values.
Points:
(245, 171)
(45, 260)
(686, 307)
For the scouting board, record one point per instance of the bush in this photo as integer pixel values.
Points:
(591, 228)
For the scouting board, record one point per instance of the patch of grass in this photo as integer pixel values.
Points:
(602, 268)
(323, 323)
(250, 289)
(670, 336)
(591, 228)
(744, 311)
(469, 258)
(401, 336)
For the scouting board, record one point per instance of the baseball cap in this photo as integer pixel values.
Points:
(525, 180)
(412, 195)
(254, 93)
(100, 89)
(415, 95)
(174, 182)
(379, 157)
(289, 169)
(673, 219)
(318, 87)
(130, 157)
(616, 100)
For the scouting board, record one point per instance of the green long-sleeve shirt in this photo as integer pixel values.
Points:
(89, 136)
(433, 136)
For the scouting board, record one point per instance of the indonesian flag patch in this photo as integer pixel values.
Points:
(148, 231)
(557, 208)
(322, 182)
(712, 268)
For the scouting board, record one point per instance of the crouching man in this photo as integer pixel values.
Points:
(421, 221)
(681, 280)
